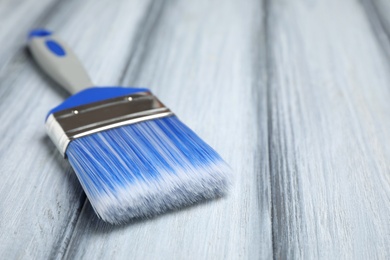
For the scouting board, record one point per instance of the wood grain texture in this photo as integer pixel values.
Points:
(378, 13)
(382, 8)
(40, 196)
(16, 18)
(329, 113)
(297, 102)
(205, 60)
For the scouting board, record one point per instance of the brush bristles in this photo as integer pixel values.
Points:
(147, 168)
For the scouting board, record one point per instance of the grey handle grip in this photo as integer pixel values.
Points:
(59, 62)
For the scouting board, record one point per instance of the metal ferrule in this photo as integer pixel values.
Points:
(69, 124)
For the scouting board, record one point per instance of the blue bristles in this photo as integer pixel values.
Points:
(146, 168)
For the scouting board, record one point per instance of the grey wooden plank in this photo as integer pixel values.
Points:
(16, 18)
(378, 13)
(40, 197)
(382, 7)
(205, 60)
(329, 112)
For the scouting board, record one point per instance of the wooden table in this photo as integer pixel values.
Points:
(295, 95)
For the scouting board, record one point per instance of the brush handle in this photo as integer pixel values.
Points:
(58, 61)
